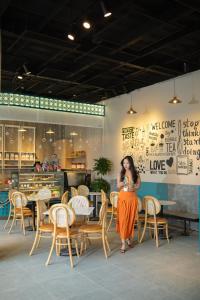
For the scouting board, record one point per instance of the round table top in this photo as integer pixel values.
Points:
(94, 193)
(167, 202)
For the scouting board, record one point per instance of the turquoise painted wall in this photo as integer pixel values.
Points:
(158, 190)
(4, 211)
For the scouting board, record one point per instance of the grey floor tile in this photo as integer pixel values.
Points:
(170, 272)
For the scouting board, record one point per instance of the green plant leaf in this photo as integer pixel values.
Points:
(100, 184)
(102, 166)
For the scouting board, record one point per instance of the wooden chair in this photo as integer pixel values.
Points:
(44, 230)
(112, 211)
(20, 211)
(11, 209)
(99, 230)
(152, 222)
(83, 190)
(79, 201)
(140, 218)
(65, 198)
(62, 217)
(45, 195)
(74, 192)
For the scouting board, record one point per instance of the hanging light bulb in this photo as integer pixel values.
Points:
(73, 133)
(22, 129)
(131, 111)
(50, 131)
(175, 100)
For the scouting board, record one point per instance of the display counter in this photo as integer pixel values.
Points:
(30, 182)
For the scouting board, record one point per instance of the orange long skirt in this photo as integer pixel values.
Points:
(126, 214)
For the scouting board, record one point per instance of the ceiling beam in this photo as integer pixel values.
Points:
(93, 56)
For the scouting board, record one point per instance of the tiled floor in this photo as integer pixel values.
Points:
(144, 272)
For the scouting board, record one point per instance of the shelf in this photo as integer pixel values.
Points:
(28, 160)
(72, 157)
(11, 151)
(42, 181)
(37, 189)
(40, 174)
(11, 159)
(77, 170)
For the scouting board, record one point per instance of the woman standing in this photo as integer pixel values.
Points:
(127, 182)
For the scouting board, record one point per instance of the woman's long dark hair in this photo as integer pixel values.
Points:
(133, 170)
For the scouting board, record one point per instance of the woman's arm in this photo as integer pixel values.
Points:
(120, 183)
(138, 182)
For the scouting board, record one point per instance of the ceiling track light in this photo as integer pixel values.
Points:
(71, 36)
(106, 13)
(86, 24)
(19, 76)
(175, 100)
(27, 72)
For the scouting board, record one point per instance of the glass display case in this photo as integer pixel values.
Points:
(8, 179)
(33, 182)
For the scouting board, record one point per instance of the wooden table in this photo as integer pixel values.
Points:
(165, 203)
(79, 211)
(32, 199)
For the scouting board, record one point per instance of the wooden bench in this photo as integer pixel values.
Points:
(185, 216)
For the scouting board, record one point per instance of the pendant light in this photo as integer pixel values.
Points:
(50, 131)
(131, 111)
(175, 100)
(22, 129)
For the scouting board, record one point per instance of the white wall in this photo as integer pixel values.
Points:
(50, 117)
(151, 104)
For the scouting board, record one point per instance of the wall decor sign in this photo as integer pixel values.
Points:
(10, 99)
(168, 149)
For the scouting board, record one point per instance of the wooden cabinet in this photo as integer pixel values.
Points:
(17, 148)
(76, 160)
(11, 146)
(27, 147)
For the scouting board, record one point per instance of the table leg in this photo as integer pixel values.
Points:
(32, 205)
(95, 204)
(162, 235)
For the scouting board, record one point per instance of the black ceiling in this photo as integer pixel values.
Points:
(142, 43)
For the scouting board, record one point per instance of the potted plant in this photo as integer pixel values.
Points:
(102, 166)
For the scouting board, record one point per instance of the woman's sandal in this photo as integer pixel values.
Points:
(122, 250)
(130, 245)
